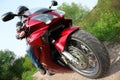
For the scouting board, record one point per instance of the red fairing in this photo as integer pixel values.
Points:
(35, 38)
(60, 43)
(37, 28)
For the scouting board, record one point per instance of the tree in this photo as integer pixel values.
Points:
(6, 60)
(17, 68)
(103, 21)
(74, 11)
(10, 67)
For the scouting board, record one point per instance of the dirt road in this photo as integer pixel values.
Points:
(114, 73)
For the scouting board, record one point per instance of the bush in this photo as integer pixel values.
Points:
(103, 21)
(27, 65)
(12, 68)
(74, 11)
(28, 74)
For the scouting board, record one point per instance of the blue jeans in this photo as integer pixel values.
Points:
(33, 58)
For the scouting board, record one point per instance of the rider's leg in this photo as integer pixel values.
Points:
(34, 60)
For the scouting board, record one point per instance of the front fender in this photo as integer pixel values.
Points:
(60, 42)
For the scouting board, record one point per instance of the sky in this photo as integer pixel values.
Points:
(8, 29)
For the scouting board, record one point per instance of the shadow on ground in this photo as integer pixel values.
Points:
(115, 59)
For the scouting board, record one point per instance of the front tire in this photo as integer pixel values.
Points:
(93, 58)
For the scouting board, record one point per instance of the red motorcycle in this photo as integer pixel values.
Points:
(61, 47)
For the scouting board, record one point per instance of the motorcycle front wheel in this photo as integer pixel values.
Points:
(91, 57)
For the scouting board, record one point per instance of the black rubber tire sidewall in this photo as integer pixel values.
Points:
(98, 49)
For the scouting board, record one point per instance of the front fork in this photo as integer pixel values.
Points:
(69, 57)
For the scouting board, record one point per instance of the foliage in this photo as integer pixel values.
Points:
(6, 61)
(28, 74)
(27, 62)
(103, 21)
(74, 11)
(17, 68)
(12, 68)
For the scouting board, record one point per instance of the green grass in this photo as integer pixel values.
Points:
(28, 75)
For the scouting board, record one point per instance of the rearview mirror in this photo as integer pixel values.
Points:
(54, 3)
(7, 16)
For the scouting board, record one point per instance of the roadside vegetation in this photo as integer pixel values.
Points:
(15, 69)
(104, 21)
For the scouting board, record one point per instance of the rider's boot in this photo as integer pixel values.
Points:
(42, 70)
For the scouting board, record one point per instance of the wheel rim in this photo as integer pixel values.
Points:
(81, 60)
(90, 62)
